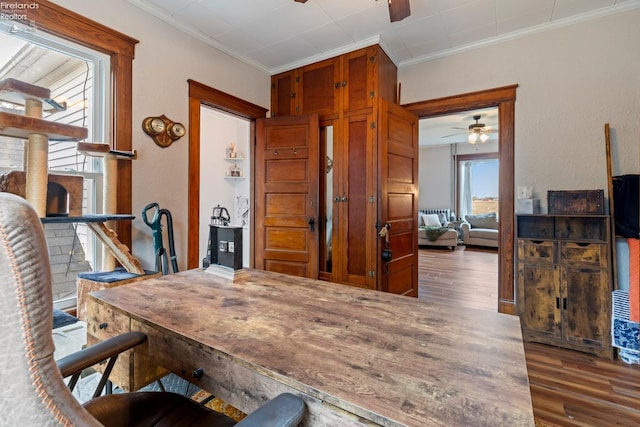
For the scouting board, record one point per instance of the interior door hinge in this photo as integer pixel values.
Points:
(297, 109)
(372, 273)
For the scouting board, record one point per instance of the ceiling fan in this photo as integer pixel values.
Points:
(476, 132)
(398, 9)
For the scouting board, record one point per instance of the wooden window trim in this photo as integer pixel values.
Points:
(68, 25)
(504, 98)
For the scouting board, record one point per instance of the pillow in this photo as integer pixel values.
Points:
(488, 220)
(431, 220)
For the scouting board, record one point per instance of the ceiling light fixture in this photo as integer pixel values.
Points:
(477, 132)
(476, 135)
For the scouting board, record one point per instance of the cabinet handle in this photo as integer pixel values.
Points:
(564, 303)
(103, 325)
(557, 302)
(344, 83)
(337, 85)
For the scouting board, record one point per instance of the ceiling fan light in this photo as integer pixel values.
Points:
(484, 137)
(473, 138)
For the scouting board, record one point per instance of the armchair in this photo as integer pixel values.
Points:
(481, 230)
(33, 391)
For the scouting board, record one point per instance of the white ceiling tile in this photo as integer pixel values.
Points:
(473, 35)
(520, 22)
(480, 12)
(566, 8)
(295, 49)
(507, 9)
(366, 24)
(444, 5)
(339, 9)
(429, 47)
(327, 37)
(299, 32)
(171, 6)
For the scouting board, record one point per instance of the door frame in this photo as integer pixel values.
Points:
(200, 94)
(504, 98)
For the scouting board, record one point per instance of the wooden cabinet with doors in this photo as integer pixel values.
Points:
(367, 173)
(349, 82)
(564, 281)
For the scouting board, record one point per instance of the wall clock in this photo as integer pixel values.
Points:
(162, 130)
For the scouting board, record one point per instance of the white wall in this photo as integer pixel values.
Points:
(436, 172)
(572, 80)
(164, 60)
(217, 131)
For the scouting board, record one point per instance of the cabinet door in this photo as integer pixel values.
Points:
(357, 75)
(286, 195)
(586, 306)
(398, 198)
(320, 88)
(356, 214)
(539, 301)
(284, 93)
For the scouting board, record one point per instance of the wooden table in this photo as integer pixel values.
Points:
(357, 357)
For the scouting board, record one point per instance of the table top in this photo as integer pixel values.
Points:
(390, 359)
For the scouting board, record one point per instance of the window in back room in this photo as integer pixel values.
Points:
(78, 80)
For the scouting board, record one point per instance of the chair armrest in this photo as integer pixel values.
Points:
(90, 356)
(285, 410)
(464, 228)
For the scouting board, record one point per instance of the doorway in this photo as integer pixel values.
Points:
(199, 95)
(503, 98)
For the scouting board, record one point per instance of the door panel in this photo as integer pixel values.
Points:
(287, 195)
(358, 184)
(320, 87)
(398, 198)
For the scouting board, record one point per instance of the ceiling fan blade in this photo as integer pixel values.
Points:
(300, 1)
(398, 10)
(453, 134)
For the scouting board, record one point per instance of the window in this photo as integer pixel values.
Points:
(76, 77)
(478, 184)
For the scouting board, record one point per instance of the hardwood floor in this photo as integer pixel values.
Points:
(568, 388)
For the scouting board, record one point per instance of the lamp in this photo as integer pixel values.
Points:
(476, 131)
(476, 135)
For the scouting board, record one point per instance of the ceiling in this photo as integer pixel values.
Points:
(453, 128)
(278, 35)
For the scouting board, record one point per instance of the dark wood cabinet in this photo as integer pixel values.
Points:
(350, 82)
(564, 281)
(351, 93)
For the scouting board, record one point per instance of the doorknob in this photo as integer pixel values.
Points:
(312, 224)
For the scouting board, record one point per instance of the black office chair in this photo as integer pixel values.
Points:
(33, 392)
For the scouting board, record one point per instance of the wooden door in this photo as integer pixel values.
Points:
(286, 195)
(398, 198)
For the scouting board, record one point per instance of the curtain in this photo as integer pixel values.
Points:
(465, 189)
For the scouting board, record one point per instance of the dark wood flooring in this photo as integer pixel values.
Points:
(568, 388)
